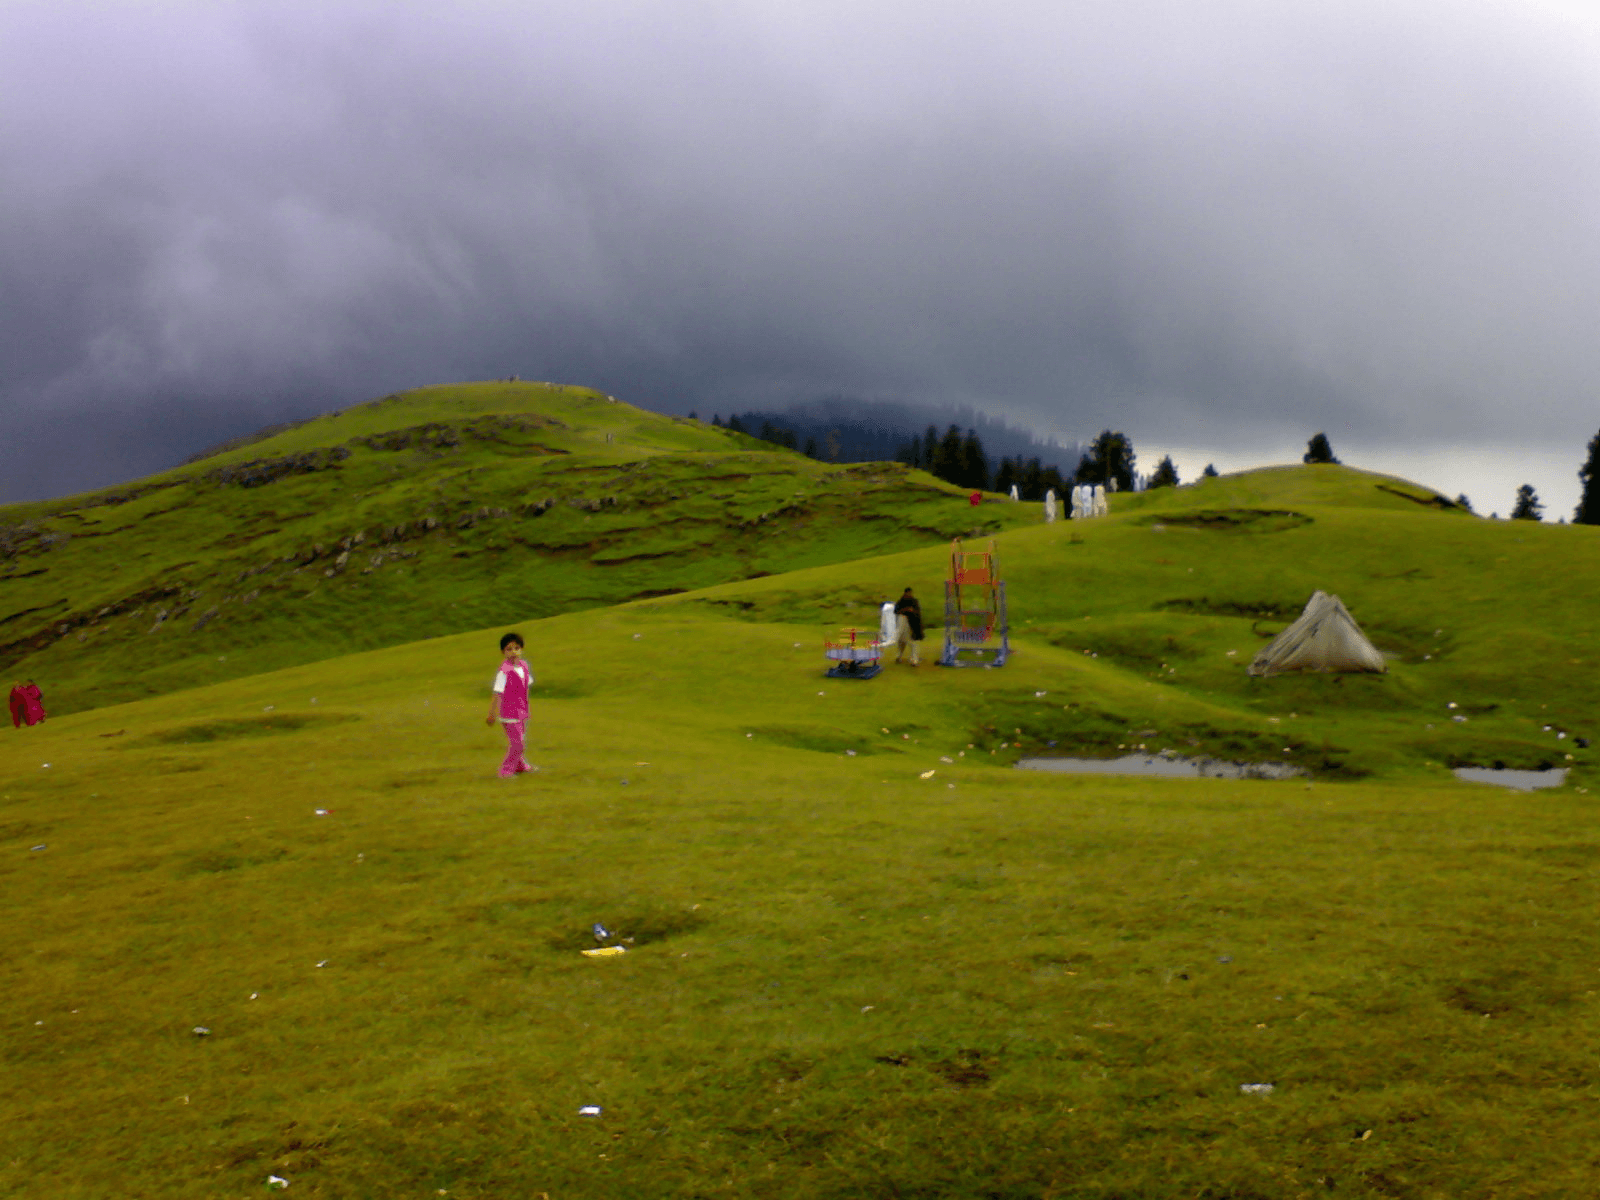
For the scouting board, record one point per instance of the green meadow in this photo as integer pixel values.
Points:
(866, 956)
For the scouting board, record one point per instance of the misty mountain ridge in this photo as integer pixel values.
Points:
(850, 429)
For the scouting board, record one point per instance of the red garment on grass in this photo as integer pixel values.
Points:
(27, 705)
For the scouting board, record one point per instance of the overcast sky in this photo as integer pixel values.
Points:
(1218, 226)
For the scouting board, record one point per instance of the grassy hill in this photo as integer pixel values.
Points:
(1487, 625)
(420, 515)
(866, 959)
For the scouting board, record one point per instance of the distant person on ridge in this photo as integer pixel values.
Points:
(509, 704)
(27, 704)
(908, 628)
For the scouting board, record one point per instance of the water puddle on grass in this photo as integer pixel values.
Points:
(1522, 781)
(1170, 767)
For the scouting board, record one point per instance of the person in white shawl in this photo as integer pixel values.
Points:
(1050, 507)
(886, 624)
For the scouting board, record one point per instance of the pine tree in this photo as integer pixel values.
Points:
(716, 420)
(1166, 474)
(1030, 481)
(1589, 505)
(947, 460)
(1004, 476)
(1050, 481)
(974, 464)
(930, 450)
(1528, 507)
(1110, 462)
(734, 424)
(1318, 450)
(1464, 502)
(811, 447)
(1210, 472)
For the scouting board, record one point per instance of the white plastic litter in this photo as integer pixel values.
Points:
(1256, 1089)
(201, 1031)
(322, 812)
(277, 1182)
(589, 1110)
(927, 774)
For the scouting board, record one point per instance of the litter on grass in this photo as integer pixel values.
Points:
(601, 933)
(589, 1110)
(277, 1182)
(201, 1031)
(604, 952)
(1256, 1089)
(41, 846)
(322, 812)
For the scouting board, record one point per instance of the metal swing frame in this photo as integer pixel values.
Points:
(975, 620)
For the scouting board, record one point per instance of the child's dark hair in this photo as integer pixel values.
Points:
(512, 637)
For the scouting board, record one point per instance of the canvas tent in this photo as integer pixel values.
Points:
(1324, 638)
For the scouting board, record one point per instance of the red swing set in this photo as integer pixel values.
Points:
(975, 608)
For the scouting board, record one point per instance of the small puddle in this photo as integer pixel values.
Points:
(1169, 767)
(1522, 781)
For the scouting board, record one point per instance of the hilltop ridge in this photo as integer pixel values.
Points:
(419, 514)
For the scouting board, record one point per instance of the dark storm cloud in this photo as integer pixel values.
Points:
(1208, 224)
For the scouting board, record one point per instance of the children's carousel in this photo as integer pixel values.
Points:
(855, 654)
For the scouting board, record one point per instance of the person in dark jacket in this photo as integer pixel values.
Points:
(908, 628)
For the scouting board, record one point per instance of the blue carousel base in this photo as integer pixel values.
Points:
(855, 670)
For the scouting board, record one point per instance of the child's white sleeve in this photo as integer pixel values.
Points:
(499, 682)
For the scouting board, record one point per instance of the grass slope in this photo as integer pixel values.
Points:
(1160, 608)
(422, 514)
(867, 960)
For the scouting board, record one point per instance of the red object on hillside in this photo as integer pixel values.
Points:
(27, 704)
(976, 498)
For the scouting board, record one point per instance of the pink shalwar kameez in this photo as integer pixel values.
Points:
(512, 684)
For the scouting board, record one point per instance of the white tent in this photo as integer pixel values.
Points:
(1324, 638)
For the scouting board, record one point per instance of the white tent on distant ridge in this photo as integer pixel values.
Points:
(1324, 638)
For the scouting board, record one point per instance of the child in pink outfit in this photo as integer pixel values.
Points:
(509, 703)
